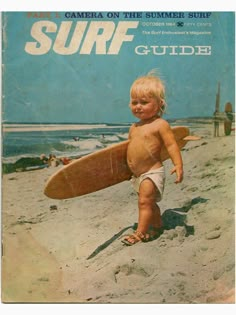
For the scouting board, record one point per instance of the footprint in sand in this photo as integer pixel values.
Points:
(128, 273)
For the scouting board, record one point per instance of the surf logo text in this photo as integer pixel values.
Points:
(105, 35)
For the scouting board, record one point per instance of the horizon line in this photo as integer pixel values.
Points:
(95, 123)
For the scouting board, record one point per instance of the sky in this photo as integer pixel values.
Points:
(94, 88)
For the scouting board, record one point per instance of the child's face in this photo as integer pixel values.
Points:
(144, 108)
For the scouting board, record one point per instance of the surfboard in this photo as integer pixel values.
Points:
(228, 119)
(228, 107)
(101, 169)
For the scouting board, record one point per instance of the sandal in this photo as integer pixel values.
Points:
(134, 238)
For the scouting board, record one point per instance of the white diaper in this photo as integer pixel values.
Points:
(158, 178)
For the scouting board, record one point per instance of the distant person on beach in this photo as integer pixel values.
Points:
(65, 160)
(147, 137)
(43, 158)
(53, 160)
(216, 123)
(103, 138)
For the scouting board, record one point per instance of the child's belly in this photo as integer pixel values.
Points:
(141, 157)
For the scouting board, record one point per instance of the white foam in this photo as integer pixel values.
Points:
(88, 144)
(110, 138)
(123, 136)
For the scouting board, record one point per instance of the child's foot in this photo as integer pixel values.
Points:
(134, 238)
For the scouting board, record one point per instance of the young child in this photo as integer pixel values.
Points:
(147, 137)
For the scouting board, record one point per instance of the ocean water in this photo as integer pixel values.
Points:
(30, 141)
(22, 144)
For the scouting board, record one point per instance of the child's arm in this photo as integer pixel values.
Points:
(173, 150)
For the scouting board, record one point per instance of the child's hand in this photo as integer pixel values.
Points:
(179, 173)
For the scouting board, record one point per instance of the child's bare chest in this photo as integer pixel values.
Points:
(145, 132)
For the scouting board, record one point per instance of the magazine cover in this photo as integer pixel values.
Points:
(118, 157)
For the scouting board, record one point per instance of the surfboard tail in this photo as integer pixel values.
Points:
(191, 138)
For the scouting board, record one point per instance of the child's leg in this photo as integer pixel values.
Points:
(146, 201)
(148, 210)
(156, 217)
(149, 213)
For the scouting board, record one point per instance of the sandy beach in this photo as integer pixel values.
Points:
(71, 250)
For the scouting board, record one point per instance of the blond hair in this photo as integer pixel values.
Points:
(150, 85)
